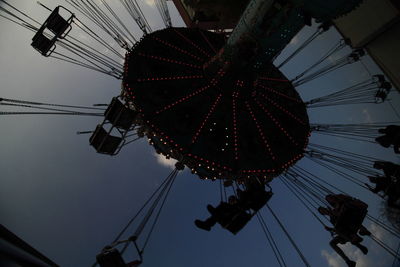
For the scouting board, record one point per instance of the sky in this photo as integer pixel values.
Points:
(69, 202)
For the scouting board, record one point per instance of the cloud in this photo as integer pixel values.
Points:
(294, 41)
(333, 58)
(334, 260)
(150, 2)
(368, 118)
(162, 160)
(376, 231)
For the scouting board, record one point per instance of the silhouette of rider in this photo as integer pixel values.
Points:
(223, 214)
(391, 137)
(389, 169)
(392, 174)
(254, 197)
(344, 234)
(381, 183)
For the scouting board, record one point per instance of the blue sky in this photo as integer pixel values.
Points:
(69, 202)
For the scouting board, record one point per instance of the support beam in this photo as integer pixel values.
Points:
(16, 252)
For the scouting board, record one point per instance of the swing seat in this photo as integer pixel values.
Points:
(119, 115)
(238, 222)
(57, 24)
(103, 142)
(261, 200)
(110, 258)
(386, 86)
(380, 96)
(394, 188)
(380, 78)
(134, 263)
(383, 91)
(351, 217)
(254, 200)
(383, 141)
(42, 44)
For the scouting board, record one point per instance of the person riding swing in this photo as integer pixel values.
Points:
(346, 215)
(391, 137)
(229, 215)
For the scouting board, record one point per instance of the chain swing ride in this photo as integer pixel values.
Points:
(220, 107)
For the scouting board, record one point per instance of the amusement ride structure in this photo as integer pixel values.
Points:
(220, 106)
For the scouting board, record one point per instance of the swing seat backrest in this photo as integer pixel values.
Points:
(351, 216)
(394, 188)
(260, 200)
(238, 222)
(42, 44)
(111, 258)
(103, 142)
(119, 115)
(380, 96)
(57, 24)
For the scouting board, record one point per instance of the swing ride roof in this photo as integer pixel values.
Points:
(45, 199)
(226, 122)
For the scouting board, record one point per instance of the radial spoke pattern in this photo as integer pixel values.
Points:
(211, 119)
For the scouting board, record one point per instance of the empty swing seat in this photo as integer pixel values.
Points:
(57, 24)
(44, 45)
(119, 115)
(110, 258)
(103, 142)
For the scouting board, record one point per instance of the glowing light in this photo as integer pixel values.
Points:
(178, 49)
(279, 93)
(170, 61)
(170, 78)
(234, 118)
(196, 135)
(276, 122)
(262, 135)
(193, 44)
(185, 98)
(283, 109)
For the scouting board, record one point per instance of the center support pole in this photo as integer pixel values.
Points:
(258, 37)
(267, 27)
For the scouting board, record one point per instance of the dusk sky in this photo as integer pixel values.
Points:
(69, 202)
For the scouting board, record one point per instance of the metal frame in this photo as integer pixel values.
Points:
(40, 34)
(131, 239)
(123, 133)
(56, 36)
